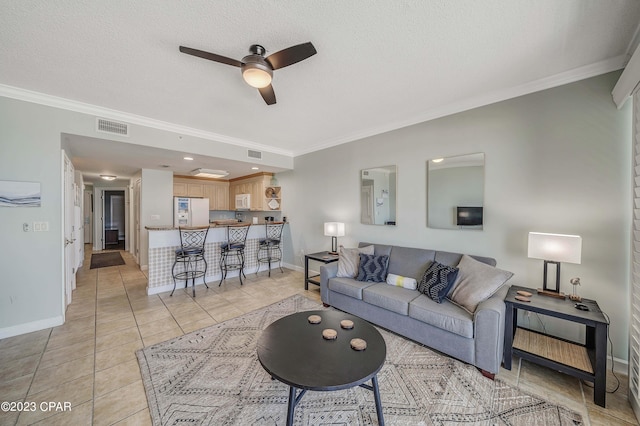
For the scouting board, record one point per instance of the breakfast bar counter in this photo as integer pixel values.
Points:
(164, 240)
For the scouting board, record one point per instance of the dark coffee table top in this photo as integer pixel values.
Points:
(293, 351)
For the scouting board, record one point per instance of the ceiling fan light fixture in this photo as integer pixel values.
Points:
(255, 73)
(108, 177)
(208, 173)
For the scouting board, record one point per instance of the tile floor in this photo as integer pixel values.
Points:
(90, 360)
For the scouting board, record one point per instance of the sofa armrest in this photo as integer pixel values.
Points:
(489, 331)
(330, 270)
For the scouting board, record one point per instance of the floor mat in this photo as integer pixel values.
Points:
(102, 260)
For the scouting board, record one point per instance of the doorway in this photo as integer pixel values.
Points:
(114, 222)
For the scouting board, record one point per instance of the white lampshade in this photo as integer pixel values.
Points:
(555, 247)
(334, 229)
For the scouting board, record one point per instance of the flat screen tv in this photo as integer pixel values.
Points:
(469, 216)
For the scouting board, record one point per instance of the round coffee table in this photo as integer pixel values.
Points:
(293, 351)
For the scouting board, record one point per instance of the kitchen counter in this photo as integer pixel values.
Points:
(164, 240)
(211, 225)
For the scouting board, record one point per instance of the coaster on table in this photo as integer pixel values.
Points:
(523, 299)
(346, 324)
(523, 293)
(329, 334)
(358, 344)
(314, 319)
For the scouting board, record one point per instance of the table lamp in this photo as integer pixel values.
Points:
(554, 249)
(334, 230)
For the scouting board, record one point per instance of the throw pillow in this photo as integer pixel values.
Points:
(373, 269)
(476, 282)
(437, 281)
(349, 260)
(400, 281)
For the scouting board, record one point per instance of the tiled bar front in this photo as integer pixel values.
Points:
(164, 243)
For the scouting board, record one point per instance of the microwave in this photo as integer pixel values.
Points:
(243, 201)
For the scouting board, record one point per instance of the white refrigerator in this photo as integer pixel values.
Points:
(190, 211)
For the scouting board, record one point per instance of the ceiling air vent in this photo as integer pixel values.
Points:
(256, 155)
(113, 127)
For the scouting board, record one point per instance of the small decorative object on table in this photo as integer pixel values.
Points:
(358, 344)
(314, 319)
(329, 334)
(346, 324)
(574, 293)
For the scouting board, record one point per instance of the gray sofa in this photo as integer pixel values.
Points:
(476, 339)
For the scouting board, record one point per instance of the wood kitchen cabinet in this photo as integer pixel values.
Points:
(217, 191)
(255, 185)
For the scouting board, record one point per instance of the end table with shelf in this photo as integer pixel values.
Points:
(322, 256)
(586, 361)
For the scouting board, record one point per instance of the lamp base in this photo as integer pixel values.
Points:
(333, 253)
(556, 294)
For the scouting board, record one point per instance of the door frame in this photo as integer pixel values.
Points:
(98, 216)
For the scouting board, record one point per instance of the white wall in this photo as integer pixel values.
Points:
(452, 187)
(556, 161)
(156, 207)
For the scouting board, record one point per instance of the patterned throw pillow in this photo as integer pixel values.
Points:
(373, 269)
(437, 281)
(349, 260)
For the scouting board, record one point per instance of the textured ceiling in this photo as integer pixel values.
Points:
(380, 64)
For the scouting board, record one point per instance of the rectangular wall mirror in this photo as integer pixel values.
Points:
(378, 189)
(455, 192)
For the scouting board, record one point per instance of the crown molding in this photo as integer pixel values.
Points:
(571, 76)
(89, 109)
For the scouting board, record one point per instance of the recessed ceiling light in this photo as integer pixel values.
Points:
(108, 177)
(438, 160)
(188, 158)
(255, 168)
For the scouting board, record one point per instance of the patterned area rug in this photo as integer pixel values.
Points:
(213, 377)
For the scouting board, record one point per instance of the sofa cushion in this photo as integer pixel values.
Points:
(348, 287)
(446, 315)
(400, 281)
(395, 299)
(410, 262)
(373, 268)
(476, 282)
(349, 260)
(437, 281)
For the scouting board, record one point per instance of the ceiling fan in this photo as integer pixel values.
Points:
(257, 70)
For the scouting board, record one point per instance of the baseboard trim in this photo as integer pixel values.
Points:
(30, 327)
(619, 365)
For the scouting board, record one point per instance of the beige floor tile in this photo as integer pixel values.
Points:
(141, 418)
(117, 377)
(29, 347)
(543, 382)
(17, 367)
(75, 392)
(118, 338)
(108, 317)
(119, 404)
(60, 340)
(78, 415)
(8, 418)
(63, 373)
(65, 354)
(601, 418)
(15, 389)
(161, 337)
(197, 325)
(617, 405)
(74, 326)
(223, 314)
(153, 315)
(150, 328)
(119, 324)
(117, 355)
(42, 335)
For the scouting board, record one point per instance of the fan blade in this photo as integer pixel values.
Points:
(210, 56)
(268, 94)
(291, 55)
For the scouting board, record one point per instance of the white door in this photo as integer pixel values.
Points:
(366, 207)
(88, 217)
(69, 223)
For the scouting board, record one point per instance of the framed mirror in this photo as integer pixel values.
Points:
(455, 192)
(378, 188)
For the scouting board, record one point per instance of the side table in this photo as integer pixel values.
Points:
(586, 361)
(322, 256)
